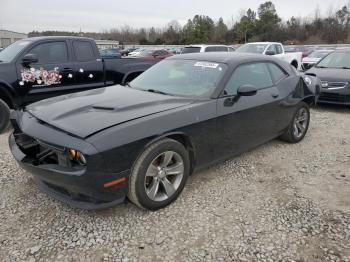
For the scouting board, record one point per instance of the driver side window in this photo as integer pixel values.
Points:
(52, 52)
(255, 74)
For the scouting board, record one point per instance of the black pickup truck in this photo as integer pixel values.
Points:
(41, 67)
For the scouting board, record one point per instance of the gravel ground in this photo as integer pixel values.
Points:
(279, 202)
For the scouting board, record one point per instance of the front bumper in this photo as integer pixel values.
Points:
(338, 97)
(78, 186)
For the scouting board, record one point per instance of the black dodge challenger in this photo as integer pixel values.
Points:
(142, 141)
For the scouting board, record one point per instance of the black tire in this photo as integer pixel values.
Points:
(4, 116)
(137, 189)
(290, 136)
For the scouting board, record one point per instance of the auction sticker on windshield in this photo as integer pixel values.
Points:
(206, 64)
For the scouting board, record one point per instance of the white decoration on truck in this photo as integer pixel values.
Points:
(40, 76)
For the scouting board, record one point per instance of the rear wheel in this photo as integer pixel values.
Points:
(299, 125)
(4, 116)
(159, 175)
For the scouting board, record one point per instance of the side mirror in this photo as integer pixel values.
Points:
(29, 59)
(270, 53)
(247, 90)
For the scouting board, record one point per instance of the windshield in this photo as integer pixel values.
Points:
(187, 78)
(10, 52)
(336, 60)
(191, 49)
(252, 48)
(319, 54)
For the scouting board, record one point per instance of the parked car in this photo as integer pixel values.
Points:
(127, 51)
(93, 149)
(137, 51)
(272, 49)
(110, 53)
(41, 67)
(314, 58)
(206, 48)
(153, 54)
(306, 51)
(334, 72)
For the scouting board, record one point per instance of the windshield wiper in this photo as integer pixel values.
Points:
(345, 67)
(157, 92)
(321, 66)
(128, 84)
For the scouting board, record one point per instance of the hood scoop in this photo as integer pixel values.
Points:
(105, 108)
(83, 114)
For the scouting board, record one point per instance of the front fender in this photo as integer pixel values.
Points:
(10, 93)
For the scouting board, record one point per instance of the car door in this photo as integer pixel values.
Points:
(51, 75)
(247, 121)
(88, 66)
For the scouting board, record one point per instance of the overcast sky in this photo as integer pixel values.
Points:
(97, 15)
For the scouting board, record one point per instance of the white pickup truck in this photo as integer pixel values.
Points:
(274, 49)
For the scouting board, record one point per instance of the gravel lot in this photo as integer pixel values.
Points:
(279, 202)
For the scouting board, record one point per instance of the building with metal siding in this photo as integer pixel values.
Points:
(8, 37)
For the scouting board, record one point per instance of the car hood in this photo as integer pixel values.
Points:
(86, 113)
(331, 74)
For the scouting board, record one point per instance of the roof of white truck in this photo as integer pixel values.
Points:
(265, 43)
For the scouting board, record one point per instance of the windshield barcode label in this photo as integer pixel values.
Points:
(206, 64)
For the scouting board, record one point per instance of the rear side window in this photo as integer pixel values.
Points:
(216, 49)
(255, 74)
(190, 49)
(53, 52)
(277, 72)
(83, 51)
(272, 48)
(279, 49)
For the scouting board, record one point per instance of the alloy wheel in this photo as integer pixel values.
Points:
(164, 176)
(300, 122)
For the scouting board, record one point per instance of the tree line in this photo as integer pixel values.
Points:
(263, 24)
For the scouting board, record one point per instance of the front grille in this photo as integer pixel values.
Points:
(39, 152)
(331, 97)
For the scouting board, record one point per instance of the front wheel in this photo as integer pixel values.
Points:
(4, 116)
(159, 175)
(299, 125)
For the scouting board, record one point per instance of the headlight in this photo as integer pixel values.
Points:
(77, 156)
(81, 158)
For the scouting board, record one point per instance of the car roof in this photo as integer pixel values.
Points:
(230, 58)
(200, 46)
(263, 43)
(38, 38)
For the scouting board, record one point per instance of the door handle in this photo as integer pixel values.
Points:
(67, 70)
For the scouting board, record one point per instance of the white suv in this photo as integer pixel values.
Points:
(206, 48)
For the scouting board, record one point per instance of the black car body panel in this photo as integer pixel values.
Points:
(112, 126)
